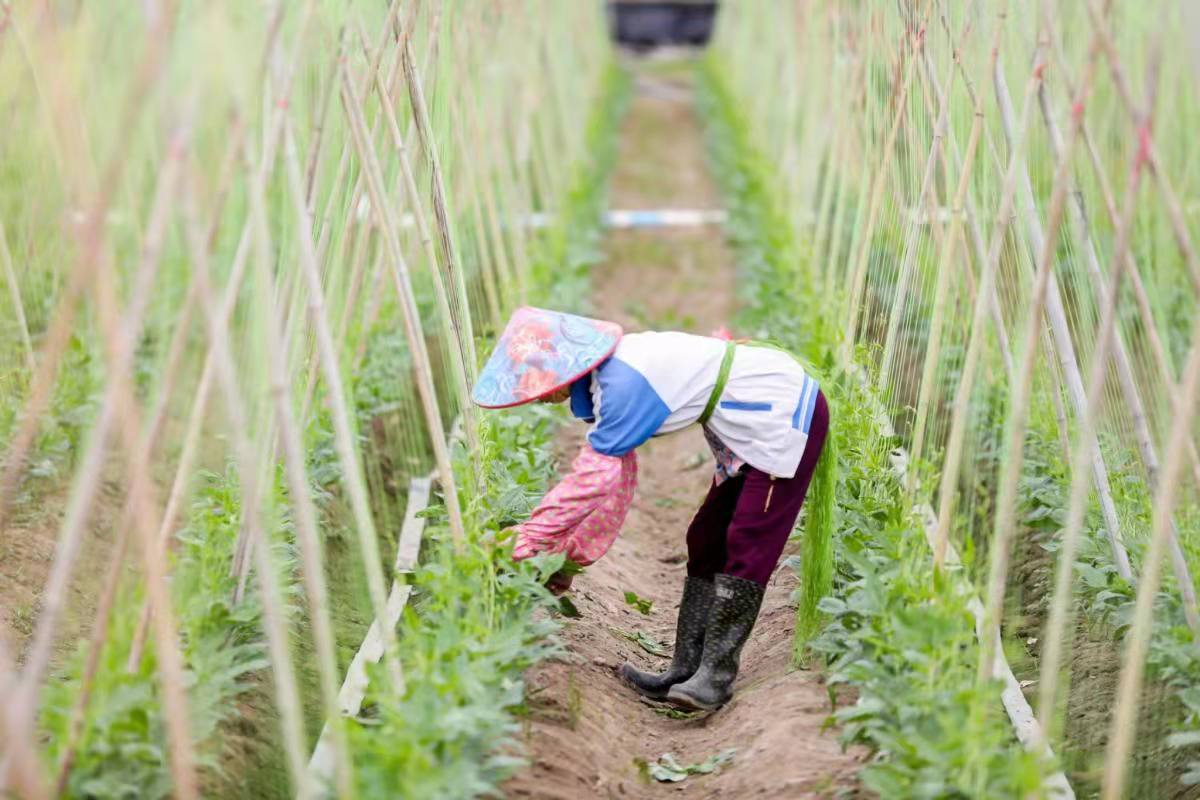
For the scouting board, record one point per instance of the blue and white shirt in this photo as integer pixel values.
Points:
(657, 383)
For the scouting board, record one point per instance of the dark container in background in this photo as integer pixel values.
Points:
(646, 24)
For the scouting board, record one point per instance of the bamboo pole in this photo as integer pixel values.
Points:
(294, 457)
(14, 294)
(1058, 619)
(945, 263)
(20, 768)
(146, 76)
(962, 397)
(412, 321)
(1124, 369)
(1149, 324)
(344, 438)
(859, 274)
(274, 619)
(1125, 716)
(910, 246)
(465, 366)
(451, 326)
(116, 408)
(1042, 242)
(156, 230)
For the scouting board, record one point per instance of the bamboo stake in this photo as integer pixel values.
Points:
(296, 469)
(20, 765)
(1006, 497)
(412, 325)
(962, 396)
(14, 293)
(274, 620)
(910, 246)
(113, 412)
(466, 342)
(452, 329)
(1058, 620)
(147, 74)
(1043, 242)
(858, 280)
(1125, 717)
(1127, 381)
(1167, 191)
(344, 439)
(1149, 324)
(156, 229)
(945, 262)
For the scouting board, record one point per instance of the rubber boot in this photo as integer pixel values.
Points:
(689, 642)
(729, 624)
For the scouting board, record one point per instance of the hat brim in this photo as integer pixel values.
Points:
(548, 392)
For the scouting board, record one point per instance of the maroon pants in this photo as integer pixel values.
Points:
(744, 523)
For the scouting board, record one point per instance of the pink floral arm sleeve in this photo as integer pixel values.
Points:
(582, 515)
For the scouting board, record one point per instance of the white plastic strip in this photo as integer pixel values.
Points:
(354, 688)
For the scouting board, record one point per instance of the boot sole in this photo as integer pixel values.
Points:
(686, 701)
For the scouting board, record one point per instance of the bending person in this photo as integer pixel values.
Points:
(765, 419)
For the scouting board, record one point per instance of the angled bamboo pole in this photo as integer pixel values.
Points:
(958, 423)
(1125, 717)
(908, 263)
(1124, 369)
(120, 343)
(452, 265)
(1042, 242)
(296, 468)
(945, 266)
(1150, 328)
(862, 249)
(1106, 342)
(20, 770)
(274, 616)
(14, 294)
(147, 74)
(1175, 213)
(115, 409)
(1004, 528)
(344, 437)
(156, 229)
(414, 332)
(451, 327)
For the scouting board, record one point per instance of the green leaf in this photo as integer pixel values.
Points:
(640, 603)
(667, 768)
(642, 640)
(567, 608)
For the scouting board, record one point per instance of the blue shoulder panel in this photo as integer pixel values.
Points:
(630, 410)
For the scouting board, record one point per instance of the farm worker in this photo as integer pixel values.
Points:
(765, 420)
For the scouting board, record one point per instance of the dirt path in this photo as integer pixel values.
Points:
(586, 728)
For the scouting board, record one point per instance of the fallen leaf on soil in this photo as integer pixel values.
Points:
(642, 640)
(566, 607)
(676, 713)
(640, 603)
(668, 770)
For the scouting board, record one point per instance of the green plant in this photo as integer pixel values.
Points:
(642, 605)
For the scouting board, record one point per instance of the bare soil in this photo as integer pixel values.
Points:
(586, 730)
(28, 544)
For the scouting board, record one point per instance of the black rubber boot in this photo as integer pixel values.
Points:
(729, 624)
(689, 642)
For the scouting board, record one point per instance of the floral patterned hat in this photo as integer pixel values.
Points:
(540, 352)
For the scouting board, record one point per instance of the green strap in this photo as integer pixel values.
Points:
(722, 378)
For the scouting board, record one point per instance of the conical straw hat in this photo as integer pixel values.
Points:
(540, 352)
